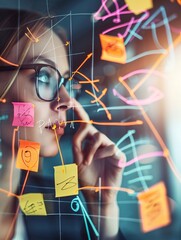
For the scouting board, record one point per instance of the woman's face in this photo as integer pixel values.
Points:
(48, 50)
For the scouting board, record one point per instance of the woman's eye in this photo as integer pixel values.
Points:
(44, 77)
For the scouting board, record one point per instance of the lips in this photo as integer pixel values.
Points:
(57, 126)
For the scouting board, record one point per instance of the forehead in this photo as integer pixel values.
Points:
(48, 47)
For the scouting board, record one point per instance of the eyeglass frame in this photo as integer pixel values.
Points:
(37, 66)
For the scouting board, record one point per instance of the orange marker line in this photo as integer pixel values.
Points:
(10, 194)
(61, 157)
(138, 122)
(13, 158)
(109, 116)
(97, 189)
(24, 184)
(156, 64)
(96, 80)
(155, 132)
(17, 210)
(8, 62)
(101, 103)
(102, 94)
(88, 56)
(89, 81)
(32, 38)
(90, 93)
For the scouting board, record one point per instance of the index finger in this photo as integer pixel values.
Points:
(80, 112)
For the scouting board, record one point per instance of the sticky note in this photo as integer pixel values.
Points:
(33, 204)
(154, 209)
(113, 48)
(139, 6)
(23, 114)
(66, 180)
(28, 155)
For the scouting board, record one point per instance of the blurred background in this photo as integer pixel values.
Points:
(159, 97)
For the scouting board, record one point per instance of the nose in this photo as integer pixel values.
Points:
(63, 101)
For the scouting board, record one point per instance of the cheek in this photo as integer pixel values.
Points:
(23, 90)
(27, 92)
(42, 113)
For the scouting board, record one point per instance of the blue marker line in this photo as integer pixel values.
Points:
(151, 52)
(147, 167)
(134, 29)
(3, 117)
(136, 34)
(90, 221)
(167, 26)
(152, 17)
(86, 226)
(85, 214)
(119, 108)
(138, 142)
(77, 202)
(142, 179)
(140, 174)
(161, 23)
(155, 39)
(124, 137)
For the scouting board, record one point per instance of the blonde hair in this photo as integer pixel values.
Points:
(14, 24)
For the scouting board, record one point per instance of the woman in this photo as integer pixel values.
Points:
(33, 65)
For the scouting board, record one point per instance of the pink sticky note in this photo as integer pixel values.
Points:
(23, 114)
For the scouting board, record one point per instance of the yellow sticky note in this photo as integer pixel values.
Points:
(113, 48)
(139, 6)
(28, 155)
(33, 204)
(66, 180)
(154, 209)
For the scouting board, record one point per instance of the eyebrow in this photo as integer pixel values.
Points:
(48, 61)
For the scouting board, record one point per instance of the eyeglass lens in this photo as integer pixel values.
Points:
(48, 84)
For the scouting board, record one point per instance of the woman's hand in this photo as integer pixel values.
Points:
(97, 158)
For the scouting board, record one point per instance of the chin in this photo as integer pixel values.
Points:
(48, 151)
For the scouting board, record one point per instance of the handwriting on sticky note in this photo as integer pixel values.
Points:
(23, 114)
(33, 204)
(154, 209)
(113, 48)
(139, 6)
(66, 180)
(28, 155)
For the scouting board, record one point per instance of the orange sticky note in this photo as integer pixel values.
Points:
(23, 114)
(28, 155)
(139, 6)
(154, 209)
(113, 48)
(33, 204)
(66, 180)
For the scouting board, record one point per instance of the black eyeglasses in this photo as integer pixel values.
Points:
(48, 81)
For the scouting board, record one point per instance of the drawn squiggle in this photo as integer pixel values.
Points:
(141, 157)
(156, 95)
